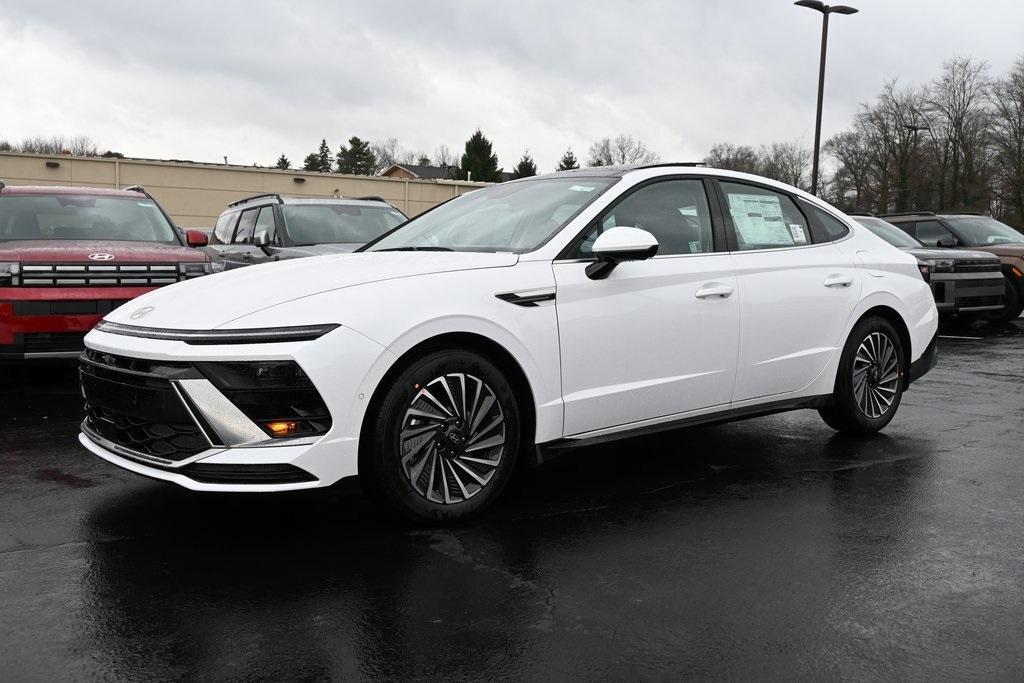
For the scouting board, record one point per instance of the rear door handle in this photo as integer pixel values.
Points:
(838, 281)
(714, 291)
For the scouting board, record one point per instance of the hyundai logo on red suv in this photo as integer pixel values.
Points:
(101, 257)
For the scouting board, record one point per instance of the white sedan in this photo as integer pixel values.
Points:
(505, 324)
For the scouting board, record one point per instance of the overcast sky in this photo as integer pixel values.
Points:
(250, 80)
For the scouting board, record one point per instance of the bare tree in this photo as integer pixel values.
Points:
(624, 149)
(958, 123)
(443, 156)
(853, 173)
(787, 162)
(82, 146)
(730, 157)
(1007, 99)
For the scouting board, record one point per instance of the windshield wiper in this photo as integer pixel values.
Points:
(416, 249)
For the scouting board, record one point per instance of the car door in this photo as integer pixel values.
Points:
(796, 292)
(243, 251)
(657, 337)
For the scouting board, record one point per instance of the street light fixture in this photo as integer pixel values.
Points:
(825, 11)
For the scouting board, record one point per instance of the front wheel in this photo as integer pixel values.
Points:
(869, 383)
(445, 439)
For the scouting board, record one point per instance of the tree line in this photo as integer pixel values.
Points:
(477, 162)
(955, 143)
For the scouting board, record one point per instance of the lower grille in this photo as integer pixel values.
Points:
(52, 342)
(138, 411)
(246, 474)
(971, 301)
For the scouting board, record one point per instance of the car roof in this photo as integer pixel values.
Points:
(276, 198)
(54, 189)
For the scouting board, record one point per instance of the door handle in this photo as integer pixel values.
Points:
(714, 291)
(838, 281)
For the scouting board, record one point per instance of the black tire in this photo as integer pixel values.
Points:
(388, 464)
(1014, 304)
(855, 409)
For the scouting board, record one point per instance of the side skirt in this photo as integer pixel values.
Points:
(564, 446)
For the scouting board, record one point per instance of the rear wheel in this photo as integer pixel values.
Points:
(1014, 304)
(869, 384)
(445, 439)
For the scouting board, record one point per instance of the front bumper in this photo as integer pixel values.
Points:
(41, 322)
(970, 292)
(341, 365)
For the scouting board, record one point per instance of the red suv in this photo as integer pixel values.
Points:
(69, 255)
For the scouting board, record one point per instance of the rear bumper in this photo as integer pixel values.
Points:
(925, 363)
(40, 322)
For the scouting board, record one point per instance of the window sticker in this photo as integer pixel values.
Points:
(696, 247)
(758, 219)
(797, 231)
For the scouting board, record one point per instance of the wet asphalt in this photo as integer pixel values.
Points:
(770, 548)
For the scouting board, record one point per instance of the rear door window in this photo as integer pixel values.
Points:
(764, 219)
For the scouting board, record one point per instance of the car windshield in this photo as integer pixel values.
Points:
(338, 223)
(888, 232)
(513, 217)
(83, 217)
(982, 231)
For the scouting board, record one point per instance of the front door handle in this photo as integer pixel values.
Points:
(838, 281)
(714, 291)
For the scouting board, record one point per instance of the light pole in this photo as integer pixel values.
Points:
(825, 11)
(914, 128)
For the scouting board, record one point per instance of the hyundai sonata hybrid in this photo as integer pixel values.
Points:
(507, 324)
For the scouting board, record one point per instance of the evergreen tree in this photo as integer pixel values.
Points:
(479, 163)
(357, 158)
(424, 160)
(525, 168)
(325, 157)
(283, 163)
(568, 161)
(311, 162)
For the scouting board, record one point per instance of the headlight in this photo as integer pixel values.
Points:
(191, 270)
(9, 273)
(926, 269)
(942, 266)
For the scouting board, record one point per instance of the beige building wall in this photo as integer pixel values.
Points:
(195, 194)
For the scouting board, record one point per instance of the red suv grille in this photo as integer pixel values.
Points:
(82, 275)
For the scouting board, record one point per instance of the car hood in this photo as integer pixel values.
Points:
(78, 251)
(209, 302)
(1012, 250)
(316, 250)
(951, 254)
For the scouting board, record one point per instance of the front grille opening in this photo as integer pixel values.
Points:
(246, 474)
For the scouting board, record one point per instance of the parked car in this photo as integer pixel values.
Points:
(551, 311)
(978, 233)
(964, 283)
(271, 227)
(70, 255)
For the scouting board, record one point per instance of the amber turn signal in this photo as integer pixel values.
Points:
(283, 428)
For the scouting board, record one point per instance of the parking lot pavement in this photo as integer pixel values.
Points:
(766, 548)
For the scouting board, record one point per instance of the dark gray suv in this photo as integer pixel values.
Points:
(271, 227)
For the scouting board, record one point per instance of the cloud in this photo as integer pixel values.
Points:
(251, 80)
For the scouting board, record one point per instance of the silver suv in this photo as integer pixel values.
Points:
(270, 227)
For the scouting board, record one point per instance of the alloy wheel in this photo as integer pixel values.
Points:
(876, 375)
(452, 438)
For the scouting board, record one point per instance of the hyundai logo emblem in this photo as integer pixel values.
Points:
(101, 257)
(141, 313)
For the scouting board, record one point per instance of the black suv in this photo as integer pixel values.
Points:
(271, 227)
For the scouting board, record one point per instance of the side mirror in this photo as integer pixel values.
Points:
(619, 244)
(261, 239)
(196, 238)
(946, 242)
